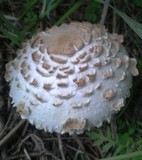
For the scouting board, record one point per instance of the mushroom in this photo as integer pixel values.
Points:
(72, 77)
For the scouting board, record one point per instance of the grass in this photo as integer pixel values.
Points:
(126, 144)
(19, 21)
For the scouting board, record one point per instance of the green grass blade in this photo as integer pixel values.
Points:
(7, 24)
(10, 31)
(10, 35)
(30, 5)
(50, 6)
(135, 26)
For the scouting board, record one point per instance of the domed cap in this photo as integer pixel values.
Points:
(71, 77)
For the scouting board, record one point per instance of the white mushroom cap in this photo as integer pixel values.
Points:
(71, 77)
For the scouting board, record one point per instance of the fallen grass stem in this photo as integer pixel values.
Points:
(125, 156)
(8, 136)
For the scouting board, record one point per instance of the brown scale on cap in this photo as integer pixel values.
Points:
(65, 95)
(107, 74)
(116, 37)
(97, 50)
(35, 41)
(91, 50)
(91, 77)
(21, 109)
(36, 57)
(87, 92)
(58, 60)
(52, 71)
(76, 104)
(79, 104)
(47, 87)
(86, 59)
(60, 76)
(42, 49)
(69, 71)
(43, 74)
(118, 105)
(41, 98)
(118, 62)
(35, 83)
(62, 84)
(83, 67)
(75, 61)
(57, 102)
(81, 56)
(122, 76)
(46, 66)
(64, 68)
(97, 63)
(132, 66)
(24, 64)
(106, 61)
(34, 102)
(80, 81)
(25, 70)
(108, 94)
(27, 77)
(74, 124)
